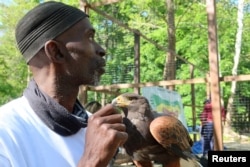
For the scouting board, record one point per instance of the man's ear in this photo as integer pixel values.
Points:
(52, 50)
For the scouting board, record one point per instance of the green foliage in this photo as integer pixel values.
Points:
(13, 70)
(149, 17)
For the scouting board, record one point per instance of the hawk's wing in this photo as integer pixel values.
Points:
(152, 137)
(172, 135)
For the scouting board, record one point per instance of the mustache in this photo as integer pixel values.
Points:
(101, 62)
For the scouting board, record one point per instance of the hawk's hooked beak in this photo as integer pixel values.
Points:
(120, 103)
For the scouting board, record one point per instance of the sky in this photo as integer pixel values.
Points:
(5, 1)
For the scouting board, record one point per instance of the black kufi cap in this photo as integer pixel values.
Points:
(43, 23)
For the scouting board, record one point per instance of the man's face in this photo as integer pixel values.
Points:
(85, 63)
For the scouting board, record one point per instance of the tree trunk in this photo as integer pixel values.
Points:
(230, 108)
(169, 68)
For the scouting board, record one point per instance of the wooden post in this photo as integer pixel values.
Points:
(103, 101)
(137, 60)
(83, 95)
(214, 74)
(84, 6)
(208, 89)
(193, 101)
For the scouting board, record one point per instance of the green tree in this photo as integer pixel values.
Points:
(13, 69)
(149, 17)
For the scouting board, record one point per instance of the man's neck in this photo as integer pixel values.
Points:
(64, 96)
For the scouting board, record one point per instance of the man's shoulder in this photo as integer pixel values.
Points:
(14, 103)
(12, 110)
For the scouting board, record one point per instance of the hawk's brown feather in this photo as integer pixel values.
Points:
(152, 137)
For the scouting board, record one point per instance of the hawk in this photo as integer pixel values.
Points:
(152, 136)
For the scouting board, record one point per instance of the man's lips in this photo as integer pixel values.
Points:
(101, 67)
(101, 70)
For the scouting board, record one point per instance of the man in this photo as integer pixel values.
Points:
(207, 126)
(47, 125)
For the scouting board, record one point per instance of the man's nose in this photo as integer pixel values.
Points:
(100, 51)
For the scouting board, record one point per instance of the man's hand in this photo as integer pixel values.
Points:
(105, 133)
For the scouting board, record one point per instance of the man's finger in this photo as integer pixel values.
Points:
(117, 126)
(106, 110)
(123, 136)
